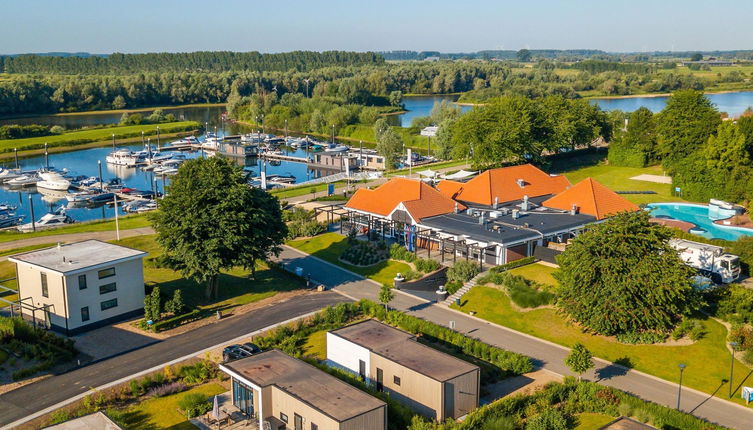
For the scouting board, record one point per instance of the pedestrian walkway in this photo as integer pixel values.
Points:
(546, 355)
(464, 289)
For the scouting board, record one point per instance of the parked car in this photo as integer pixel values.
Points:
(236, 352)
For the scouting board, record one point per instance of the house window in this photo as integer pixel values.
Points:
(106, 273)
(283, 418)
(81, 282)
(85, 313)
(314, 426)
(107, 288)
(108, 304)
(396, 380)
(45, 291)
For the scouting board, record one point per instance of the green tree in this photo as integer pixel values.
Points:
(684, 126)
(175, 305)
(621, 276)
(125, 119)
(726, 149)
(579, 360)
(152, 305)
(396, 98)
(212, 220)
(386, 295)
(523, 55)
(118, 102)
(637, 146)
(389, 144)
(696, 57)
(443, 141)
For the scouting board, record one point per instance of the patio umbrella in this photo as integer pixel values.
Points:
(216, 409)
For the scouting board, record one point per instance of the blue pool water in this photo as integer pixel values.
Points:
(702, 217)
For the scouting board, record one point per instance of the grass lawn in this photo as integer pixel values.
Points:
(433, 166)
(329, 247)
(592, 421)
(162, 413)
(125, 222)
(316, 345)
(707, 360)
(283, 193)
(536, 272)
(236, 288)
(617, 178)
(95, 135)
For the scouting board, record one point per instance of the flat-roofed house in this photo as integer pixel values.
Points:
(289, 393)
(430, 382)
(80, 286)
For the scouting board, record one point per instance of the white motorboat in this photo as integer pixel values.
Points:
(166, 166)
(336, 148)
(211, 143)
(53, 181)
(8, 174)
(125, 157)
(24, 180)
(10, 220)
(49, 220)
(140, 206)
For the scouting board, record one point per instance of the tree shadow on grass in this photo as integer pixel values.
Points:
(619, 367)
(136, 419)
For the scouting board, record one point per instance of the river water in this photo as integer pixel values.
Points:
(732, 103)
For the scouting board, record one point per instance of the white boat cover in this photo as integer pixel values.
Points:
(428, 173)
(462, 174)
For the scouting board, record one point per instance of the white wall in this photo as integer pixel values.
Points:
(347, 354)
(129, 281)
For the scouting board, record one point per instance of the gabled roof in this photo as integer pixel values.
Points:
(591, 198)
(505, 184)
(418, 198)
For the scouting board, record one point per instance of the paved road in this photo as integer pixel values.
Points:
(545, 354)
(75, 237)
(23, 401)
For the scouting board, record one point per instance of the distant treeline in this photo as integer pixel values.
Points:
(598, 66)
(565, 55)
(14, 131)
(220, 61)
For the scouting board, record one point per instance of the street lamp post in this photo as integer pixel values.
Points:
(733, 345)
(679, 390)
(262, 124)
(157, 137)
(333, 134)
(307, 87)
(286, 131)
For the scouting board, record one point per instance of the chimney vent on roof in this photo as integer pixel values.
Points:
(521, 183)
(515, 214)
(525, 206)
(574, 209)
(496, 202)
(481, 219)
(456, 207)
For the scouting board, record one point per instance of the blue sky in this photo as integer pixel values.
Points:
(105, 26)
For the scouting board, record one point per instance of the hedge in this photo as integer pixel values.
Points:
(513, 264)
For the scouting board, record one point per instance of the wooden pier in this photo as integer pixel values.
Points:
(283, 157)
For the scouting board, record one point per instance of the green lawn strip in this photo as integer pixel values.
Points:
(236, 287)
(592, 421)
(707, 360)
(125, 223)
(329, 247)
(95, 135)
(283, 193)
(316, 345)
(163, 412)
(536, 272)
(432, 166)
(618, 179)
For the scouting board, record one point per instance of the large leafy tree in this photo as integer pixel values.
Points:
(621, 276)
(389, 144)
(685, 125)
(637, 146)
(211, 220)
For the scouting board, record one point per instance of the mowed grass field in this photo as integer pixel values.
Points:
(95, 135)
(125, 223)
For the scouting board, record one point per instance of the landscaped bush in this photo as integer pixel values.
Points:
(199, 372)
(735, 304)
(40, 347)
(167, 389)
(462, 271)
(525, 293)
(453, 286)
(513, 264)
(550, 419)
(363, 253)
(194, 404)
(426, 265)
(398, 252)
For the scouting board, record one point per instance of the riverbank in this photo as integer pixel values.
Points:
(82, 139)
(114, 111)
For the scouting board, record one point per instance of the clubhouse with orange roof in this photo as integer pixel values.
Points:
(497, 217)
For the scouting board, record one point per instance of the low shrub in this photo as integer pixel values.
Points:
(194, 404)
(462, 271)
(525, 293)
(549, 419)
(199, 372)
(170, 323)
(453, 286)
(363, 253)
(426, 265)
(398, 252)
(513, 264)
(167, 389)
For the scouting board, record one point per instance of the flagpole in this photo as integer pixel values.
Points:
(117, 225)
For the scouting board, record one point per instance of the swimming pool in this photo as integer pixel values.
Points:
(702, 217)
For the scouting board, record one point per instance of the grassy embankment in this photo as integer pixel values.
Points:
(84, 138)
(114, 111)
(707, 360)
(329, 247)
(125, 222)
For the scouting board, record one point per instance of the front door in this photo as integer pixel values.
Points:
(298, 422)
(380, 380)
(362, 369)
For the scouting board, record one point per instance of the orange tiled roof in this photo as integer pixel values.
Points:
(503, 184)
(419, 199)
(591, 198)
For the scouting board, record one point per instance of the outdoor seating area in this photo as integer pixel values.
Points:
(226, 416)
